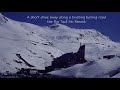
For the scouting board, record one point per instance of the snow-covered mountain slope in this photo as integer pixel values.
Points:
(68, 40)
(24, 45)
(20, 47)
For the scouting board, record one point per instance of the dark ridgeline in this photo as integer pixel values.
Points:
(68, 59)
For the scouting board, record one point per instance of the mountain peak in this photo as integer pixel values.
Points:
(1, 14)
(3, 19)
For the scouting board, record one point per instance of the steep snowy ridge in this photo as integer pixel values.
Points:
(17, 40)
(25, 45)
(3, 19)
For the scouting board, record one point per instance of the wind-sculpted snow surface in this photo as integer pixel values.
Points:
(25, 45)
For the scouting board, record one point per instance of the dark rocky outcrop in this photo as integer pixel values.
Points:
(68, 59)
(64, 61)
(109, 56)
(54, 26)
(19, 56)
